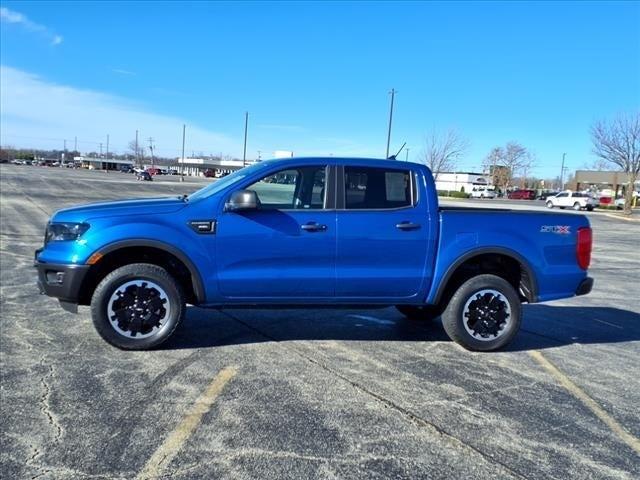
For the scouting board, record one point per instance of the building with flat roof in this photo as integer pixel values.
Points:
(93, 163)
(601, 180)
(197, 166)
(457, 181)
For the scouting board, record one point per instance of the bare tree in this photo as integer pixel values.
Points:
(618, 142)
(599, 164)
(506, 163)
(442, 151)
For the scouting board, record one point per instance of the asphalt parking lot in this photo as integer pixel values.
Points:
(311, 394)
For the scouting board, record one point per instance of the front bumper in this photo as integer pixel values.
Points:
(62, 281)
(585, 286)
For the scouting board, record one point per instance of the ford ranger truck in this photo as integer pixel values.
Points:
(311, 232)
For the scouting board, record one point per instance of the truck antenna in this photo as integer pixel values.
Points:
(394, 157)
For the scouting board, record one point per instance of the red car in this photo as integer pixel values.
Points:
(522, 195)
(153, 171)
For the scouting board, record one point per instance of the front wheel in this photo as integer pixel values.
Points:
(137, 307)
(420, 312)
(549, 204)
(483, 314)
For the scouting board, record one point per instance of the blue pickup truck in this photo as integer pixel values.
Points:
(311, 232)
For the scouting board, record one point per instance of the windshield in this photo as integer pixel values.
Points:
(230, 179)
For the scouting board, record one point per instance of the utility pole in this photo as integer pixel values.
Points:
(246, 125)
(107, 146)
(393, 94)
(562, 172)
(136, 152)
(100, 149)
(65, 146)
(75, 144)
(184, 127)
(151, 148)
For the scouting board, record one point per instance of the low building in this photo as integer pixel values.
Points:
(198, 166)
(461, 181)
(601, 181)
(93, 163)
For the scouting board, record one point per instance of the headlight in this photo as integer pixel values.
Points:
(64, 231)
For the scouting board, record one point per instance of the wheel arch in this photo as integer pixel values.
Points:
(119, 253)
(526, 284)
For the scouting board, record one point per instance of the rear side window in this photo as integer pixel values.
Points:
(377, 188)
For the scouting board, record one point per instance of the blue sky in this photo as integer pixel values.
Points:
(315, 77)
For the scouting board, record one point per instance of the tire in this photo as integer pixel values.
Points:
(420, 312)
(497, 332)
(549, 204)
(118, 297)
(590, 208)
(576, 206)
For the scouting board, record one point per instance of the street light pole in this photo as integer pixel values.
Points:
(407, 157)
(393, 94)
(184, 127)
(246, 125)
(562, 172)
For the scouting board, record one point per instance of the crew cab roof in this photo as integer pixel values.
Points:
(378, 162)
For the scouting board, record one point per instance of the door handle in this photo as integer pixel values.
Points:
(313, 227)
(408, 226)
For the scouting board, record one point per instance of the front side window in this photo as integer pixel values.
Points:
(377, 188)
(294, 188)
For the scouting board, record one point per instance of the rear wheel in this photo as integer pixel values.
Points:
(137, 307)
(420, 312)
(483, 314)
(590, 208)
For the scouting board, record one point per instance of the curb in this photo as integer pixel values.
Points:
(621, 216)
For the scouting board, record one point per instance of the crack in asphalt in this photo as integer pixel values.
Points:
(412, 417)
(45, 408)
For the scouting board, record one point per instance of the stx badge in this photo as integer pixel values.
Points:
(561, 229)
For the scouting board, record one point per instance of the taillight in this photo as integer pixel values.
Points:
(583, 247)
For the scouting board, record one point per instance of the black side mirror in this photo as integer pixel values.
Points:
(242, 200)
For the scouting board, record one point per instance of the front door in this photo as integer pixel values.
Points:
(383, 234)
(286, 247)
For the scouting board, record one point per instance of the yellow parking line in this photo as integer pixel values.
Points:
(588, 402)
(176, 439)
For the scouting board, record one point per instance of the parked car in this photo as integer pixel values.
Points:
(483, 192)
(145, 176)
(522, 195)
(575, 200)
(153, 171)
(244, 242)
(126, 169)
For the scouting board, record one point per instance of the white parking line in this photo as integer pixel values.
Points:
(372, 319)
(607, 323)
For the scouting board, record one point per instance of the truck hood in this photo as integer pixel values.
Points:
(146, 206)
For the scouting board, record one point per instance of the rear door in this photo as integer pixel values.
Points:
(382, 233)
